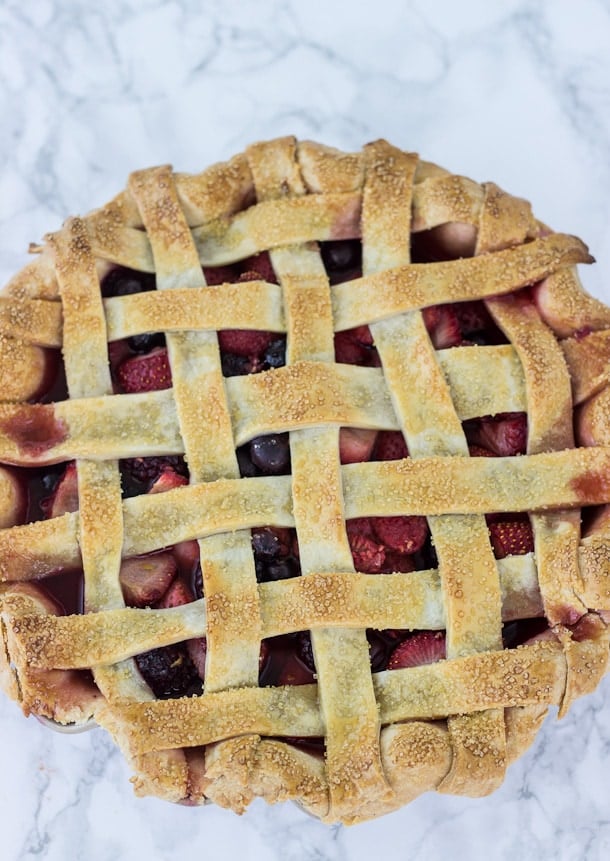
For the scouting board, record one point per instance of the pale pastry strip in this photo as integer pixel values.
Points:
(422, 401)
(231, 306)
(193, 356)
(311, 394)
(274, 223)
(33, 550)
(479, 741)
(36, 321)
(477, 485)
(100, 519)
(223, 306)
(305, 393)
(84, 327)
(225, 239)
(417, 285)
(463, 685)
(504, 221)
(98, 428)
(446, 198)
(198, 387)
(557, 533)
(408, 601)
(448, 485)
(347, 700)
(588, 363)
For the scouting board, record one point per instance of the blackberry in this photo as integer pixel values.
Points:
(148, 469)
(169, 672)
(275, 354)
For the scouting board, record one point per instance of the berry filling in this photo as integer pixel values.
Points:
(146, 474)
(276, 553)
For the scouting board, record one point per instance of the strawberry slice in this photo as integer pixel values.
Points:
(510, 535)
(479, 451)
(168, 480)
(187, 555)
(443, 326)
(406, 534)
(145, 373)
(177, 595)
(424, 647)
(356, 444)
(295, 672)
(397, 562)
(391, 445)
(249, 343)
(355, 347)
(145, 579)
(368, 554)
(504, 434)
(64, 498)
(215, 275)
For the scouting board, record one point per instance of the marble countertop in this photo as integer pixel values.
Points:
(517, 92)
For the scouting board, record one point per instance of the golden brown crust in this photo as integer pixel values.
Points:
(452, 725)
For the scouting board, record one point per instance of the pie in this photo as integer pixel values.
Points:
(305, 479)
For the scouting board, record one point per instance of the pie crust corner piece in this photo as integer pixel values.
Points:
(305, 479)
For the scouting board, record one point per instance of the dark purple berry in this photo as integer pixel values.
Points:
(304, 650)
(341, 254)
(275, 354)
(197, 580)
(244, 461)
(266, 544)
(282, 569)
(148, 469)
(378, 652)
(516, 633)
(169, 672)
(123, 282)
(146, 342)
(234, 365)
(271, 453)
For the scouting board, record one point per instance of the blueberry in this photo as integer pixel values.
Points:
(341, 254)
(123, 282)
(146, 342)
(234, 365)
(266, 544)
(246, 468)
(275, 354)
(282, 569)
(271, 453)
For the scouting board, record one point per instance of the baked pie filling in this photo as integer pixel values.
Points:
(304, 483)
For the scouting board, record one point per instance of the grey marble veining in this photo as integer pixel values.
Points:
(517, 92)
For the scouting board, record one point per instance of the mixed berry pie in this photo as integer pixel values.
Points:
(305, 479)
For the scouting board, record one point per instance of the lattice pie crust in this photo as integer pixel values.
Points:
(452, 725)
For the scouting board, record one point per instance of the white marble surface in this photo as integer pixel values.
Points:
(517, 92)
